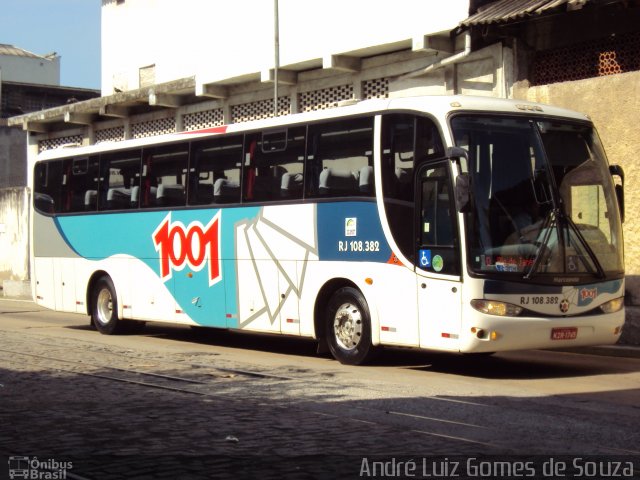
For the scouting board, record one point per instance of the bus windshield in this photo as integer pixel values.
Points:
(543, 198)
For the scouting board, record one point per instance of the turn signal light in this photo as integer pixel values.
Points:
(492, 307)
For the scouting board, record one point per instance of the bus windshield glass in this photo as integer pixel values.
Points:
(543, 198)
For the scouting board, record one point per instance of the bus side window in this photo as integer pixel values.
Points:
(48, 182)
(340, 159)
(292, 160)
(436, 210)
(438, 232)
(164, 175)
(274, 165)
(397, 178)
(84, 185)
(119, 175)
(428, 141)
(215, 171)
(66, 186)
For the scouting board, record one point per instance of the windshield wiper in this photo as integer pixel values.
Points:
(587, 248)
(548, 226)
(551, 221)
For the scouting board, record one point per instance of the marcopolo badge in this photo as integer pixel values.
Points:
(350, 227)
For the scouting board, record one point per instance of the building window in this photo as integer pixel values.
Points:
(147, 76)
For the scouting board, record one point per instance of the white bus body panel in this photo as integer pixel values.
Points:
(440, 309)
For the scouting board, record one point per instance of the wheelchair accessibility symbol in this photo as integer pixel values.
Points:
(425, 258)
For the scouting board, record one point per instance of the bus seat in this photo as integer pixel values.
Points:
(334, 182)
(291, 185)
(149, 200)
(146, 200)
(226, 191)
(323, 183)
(135, 196)
(402, 176)
(366, 180)
(90, 200)
(278, 171)
(168, 195)
(268, 182)
(402, 184)
(118, 198)
(204, 192)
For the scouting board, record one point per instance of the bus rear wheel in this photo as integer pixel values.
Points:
(348, 327)
(104, 307)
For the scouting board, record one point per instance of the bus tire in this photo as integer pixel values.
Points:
(104, 307)
(348, 327)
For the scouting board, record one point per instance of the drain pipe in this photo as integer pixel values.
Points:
(445, 61)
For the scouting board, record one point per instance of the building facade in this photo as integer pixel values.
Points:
(146, 42)
(28, 83)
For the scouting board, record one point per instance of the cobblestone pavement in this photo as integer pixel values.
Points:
(107, 409)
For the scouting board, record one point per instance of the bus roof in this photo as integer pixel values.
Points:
(439, 106)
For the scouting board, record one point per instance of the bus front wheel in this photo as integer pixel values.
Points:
(348, 327)
(104, 307)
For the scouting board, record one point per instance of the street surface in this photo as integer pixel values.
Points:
(174, 402)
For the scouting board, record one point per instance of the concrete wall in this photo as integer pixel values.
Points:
(13, 157)
(40, 71)
(14, 234)
(485, 72)
(613, 102)
(219, 40)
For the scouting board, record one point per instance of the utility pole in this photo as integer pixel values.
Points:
(276, 38)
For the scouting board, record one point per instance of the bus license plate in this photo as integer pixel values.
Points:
(564, 333)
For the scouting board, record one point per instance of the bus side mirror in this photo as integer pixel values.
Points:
(43, 203)
(617, 171)
(463, 181)
(458, 153)
(463, 193)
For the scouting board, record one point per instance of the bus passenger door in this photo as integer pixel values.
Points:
(437, 258)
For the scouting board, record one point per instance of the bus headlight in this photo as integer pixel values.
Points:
(612, 306)
(493, 307)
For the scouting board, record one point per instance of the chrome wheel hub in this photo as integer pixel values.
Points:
(104, 306)
(347, 326)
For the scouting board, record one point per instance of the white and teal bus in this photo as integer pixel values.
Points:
(456, 224)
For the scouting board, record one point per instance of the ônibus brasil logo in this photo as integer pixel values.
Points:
(194, 245)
